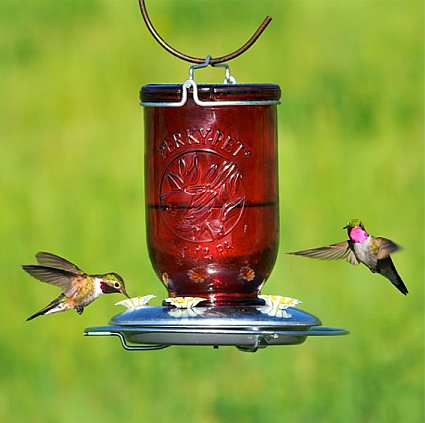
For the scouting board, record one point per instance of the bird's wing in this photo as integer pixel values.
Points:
(57, 262)
(341, 250)
(351, 257)
(385, 247)
(57, 277)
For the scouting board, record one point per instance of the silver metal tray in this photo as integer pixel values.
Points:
(220, 317)
(247, 328)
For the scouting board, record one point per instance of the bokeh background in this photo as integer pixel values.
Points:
(71, 182)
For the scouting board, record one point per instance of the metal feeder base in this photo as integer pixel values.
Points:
(247, 328)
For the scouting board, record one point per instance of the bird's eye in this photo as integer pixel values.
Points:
(117, 285)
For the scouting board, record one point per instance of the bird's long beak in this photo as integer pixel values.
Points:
(123, 291)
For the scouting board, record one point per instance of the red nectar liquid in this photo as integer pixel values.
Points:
(212, 191)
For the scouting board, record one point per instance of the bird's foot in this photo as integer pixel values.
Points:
(79, 309)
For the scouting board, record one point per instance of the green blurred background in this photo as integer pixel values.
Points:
(71, 182)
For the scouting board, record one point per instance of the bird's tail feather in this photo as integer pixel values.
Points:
(46, 309)
(386, 268)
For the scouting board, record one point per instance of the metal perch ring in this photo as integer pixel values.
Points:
(193, 59)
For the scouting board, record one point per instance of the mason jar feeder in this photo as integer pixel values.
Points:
(212, 216)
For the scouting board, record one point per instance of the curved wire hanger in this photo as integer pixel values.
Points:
(192, 59)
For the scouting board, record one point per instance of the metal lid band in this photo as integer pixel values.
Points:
(229, 79)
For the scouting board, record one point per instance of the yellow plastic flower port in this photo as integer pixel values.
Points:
(276, 305)
(136, 302)
(184, 302)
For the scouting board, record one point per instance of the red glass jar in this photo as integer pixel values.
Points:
(212, 189)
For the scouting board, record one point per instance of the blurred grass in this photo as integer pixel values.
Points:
(71, 178)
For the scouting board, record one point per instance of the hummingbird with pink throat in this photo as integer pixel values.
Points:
(373, 252)
(79, 288)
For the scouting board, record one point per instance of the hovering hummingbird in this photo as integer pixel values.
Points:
(374, 252)
(79, 289)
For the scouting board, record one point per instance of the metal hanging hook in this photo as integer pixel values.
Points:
(193, 59)
(228, 79)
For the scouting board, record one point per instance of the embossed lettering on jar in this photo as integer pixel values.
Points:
(212, 191)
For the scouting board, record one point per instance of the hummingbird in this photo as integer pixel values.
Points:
(79, 289)
(373, 252)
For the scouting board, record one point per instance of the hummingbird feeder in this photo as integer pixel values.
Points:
(212, 207)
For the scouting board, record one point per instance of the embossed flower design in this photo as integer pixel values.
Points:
(197, 275)
(202, 196)
(247, 273)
